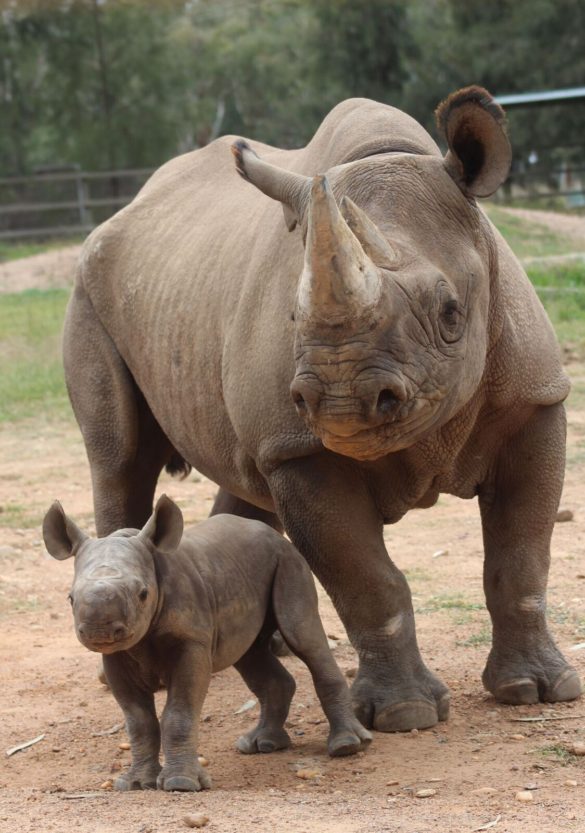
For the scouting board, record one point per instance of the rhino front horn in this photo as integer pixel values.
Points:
(339, 281)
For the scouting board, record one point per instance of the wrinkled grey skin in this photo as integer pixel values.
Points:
(164, 608)
(388, 348)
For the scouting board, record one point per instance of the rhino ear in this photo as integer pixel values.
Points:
(290, 189)
(61, 536)
(474, 126)
(164, 528)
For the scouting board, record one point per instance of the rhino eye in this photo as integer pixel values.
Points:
(143, 595)
(451, 319)
(70, 597)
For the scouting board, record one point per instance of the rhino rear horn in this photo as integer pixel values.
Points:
(164, 528)
(474, 126)
(367, 232)
(61, 536)
(290, 189)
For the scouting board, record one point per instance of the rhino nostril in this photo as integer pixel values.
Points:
(387, 401)
(300, 403)
(119, 633)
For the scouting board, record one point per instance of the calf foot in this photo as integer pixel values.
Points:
(347, 738)
(263, 739)
(183, 778)
(139, 777)
(521, 677)
(393, 703)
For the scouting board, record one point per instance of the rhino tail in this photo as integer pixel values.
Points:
(178, 466)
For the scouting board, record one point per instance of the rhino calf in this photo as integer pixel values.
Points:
(163, 606)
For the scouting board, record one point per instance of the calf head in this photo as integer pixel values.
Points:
(393, 304)
(115, 594)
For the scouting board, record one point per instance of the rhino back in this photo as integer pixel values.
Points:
(195, 282)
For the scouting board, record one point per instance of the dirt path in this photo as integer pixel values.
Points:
(48, 270)
(476, 762)
(571, 226)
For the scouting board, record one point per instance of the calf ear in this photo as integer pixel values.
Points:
(474, 126)
(61, 536)
(164, 528)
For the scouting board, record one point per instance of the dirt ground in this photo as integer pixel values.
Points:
(475, 763)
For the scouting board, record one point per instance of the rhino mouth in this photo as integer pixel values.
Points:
(371, 443)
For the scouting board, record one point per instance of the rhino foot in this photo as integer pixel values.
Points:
(387, 707)
(347, 739)
(138, 778)
(183, 778)
(263, 739)
(542, 676)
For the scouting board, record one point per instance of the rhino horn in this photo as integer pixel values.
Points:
(367, 232)
(339, 280)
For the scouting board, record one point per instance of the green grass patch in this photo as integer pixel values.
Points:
(561, 289)
(449, 602)
(555, 750)
(484, 637)
(31, 371)
(15, 250)
(15, 516)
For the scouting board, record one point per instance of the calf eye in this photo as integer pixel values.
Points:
(143, 595)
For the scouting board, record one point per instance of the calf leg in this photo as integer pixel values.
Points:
(518, 509)
(125, 446)
(137, 704)
(187, 687)
(274, 687)
(295, 605)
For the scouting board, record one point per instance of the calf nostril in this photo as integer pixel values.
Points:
(387, 401)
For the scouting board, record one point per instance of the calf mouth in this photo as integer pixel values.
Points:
(108, 646)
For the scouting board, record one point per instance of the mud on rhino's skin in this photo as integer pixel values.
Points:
(162, 606)
(333, 368)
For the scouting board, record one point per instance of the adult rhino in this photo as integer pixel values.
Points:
(330, 379)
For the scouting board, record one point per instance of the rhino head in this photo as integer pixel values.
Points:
(393, 314)
(115, 594)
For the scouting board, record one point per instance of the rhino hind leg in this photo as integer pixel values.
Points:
(125, 445)
(274, 687)
(518, 513)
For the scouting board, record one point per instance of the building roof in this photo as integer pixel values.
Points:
(545, 97)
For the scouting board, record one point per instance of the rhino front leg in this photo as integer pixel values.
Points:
(518, 508)
(332, 520)
(187, 687)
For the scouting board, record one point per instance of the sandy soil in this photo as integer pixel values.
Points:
(475, 763)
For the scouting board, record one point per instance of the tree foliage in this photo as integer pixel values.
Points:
(121, 83)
